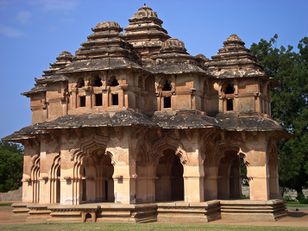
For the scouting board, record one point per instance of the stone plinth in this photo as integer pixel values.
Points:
(252, 210)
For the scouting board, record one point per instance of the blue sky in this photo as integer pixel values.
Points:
(34, 32)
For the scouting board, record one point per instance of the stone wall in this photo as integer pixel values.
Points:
(14, 195)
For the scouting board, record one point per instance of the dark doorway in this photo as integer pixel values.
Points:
(169, 185)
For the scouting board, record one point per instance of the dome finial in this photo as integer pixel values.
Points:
(144, 4)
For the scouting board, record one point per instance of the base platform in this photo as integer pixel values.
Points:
(152, 212)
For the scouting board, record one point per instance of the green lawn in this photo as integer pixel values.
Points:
(143, 227)
(294, 205)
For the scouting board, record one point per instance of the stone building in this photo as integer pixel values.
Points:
(134, 120)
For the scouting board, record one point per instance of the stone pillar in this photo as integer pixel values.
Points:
(124, 170)
(193, 177)
(68, 184)
(145, 186)
(257, 169)
(123, 184)
(193, 183)
(210, 182)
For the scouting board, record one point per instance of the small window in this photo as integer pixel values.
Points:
(167, 102)
(229, 104)
(98, 99)
(82, 101)
(113, 82)
(115, 99)
(167, 86)
(96, 81)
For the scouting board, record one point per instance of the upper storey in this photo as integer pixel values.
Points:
(145, 70)
(241, 83)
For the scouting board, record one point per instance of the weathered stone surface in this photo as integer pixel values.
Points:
(133, 119)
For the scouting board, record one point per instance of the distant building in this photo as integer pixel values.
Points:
(132, 118)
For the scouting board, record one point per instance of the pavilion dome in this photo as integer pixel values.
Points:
(144, 12)
(173, 44)
(109, 25)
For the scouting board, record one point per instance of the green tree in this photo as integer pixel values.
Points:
(11, 160)
(289, 70)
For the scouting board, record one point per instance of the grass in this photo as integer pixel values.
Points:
(5, 204)
(143, 227)
(295, 204)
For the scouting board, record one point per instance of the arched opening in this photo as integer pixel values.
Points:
(83, 184)
(107, 180)
(96, 81)
(244, 178)
(169, 185)
(167, 86)
(167, 98)
(97, 178)
(58, 187)
(35, 175)
(113, 82)
(55, 173)
(230, 175)
(80, 83)
(229, 89)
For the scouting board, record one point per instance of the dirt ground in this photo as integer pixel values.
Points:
(294, 219)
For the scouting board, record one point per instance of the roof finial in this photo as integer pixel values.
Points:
(144, 4)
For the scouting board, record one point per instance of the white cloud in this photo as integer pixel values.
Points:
(10, 32)
(56, 5)
(24, 17)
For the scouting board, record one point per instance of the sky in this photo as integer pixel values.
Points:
(34, 32)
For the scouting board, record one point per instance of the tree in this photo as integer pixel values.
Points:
(11, 160)
(289, 69)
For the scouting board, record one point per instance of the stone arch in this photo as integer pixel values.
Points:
(55, 173)
(229, 170)
(90, 161)
(95, 81)
(169, 143)
(113, 82)
(35, 178)
(169, 184)
(169, 158)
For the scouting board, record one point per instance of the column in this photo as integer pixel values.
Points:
(257, 169)
(210, 182)
(69, 183)
(193, 178)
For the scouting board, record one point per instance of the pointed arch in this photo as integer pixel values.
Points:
(35, 179)
(169, 143)
(91, 160)
(55, 174)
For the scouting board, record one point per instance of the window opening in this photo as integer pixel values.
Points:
(115, 99)
(229, 104)
(82, 101)
(167, 102)
(167, 86)
(98, 99)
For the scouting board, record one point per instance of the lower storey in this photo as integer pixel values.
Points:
(160, 212)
